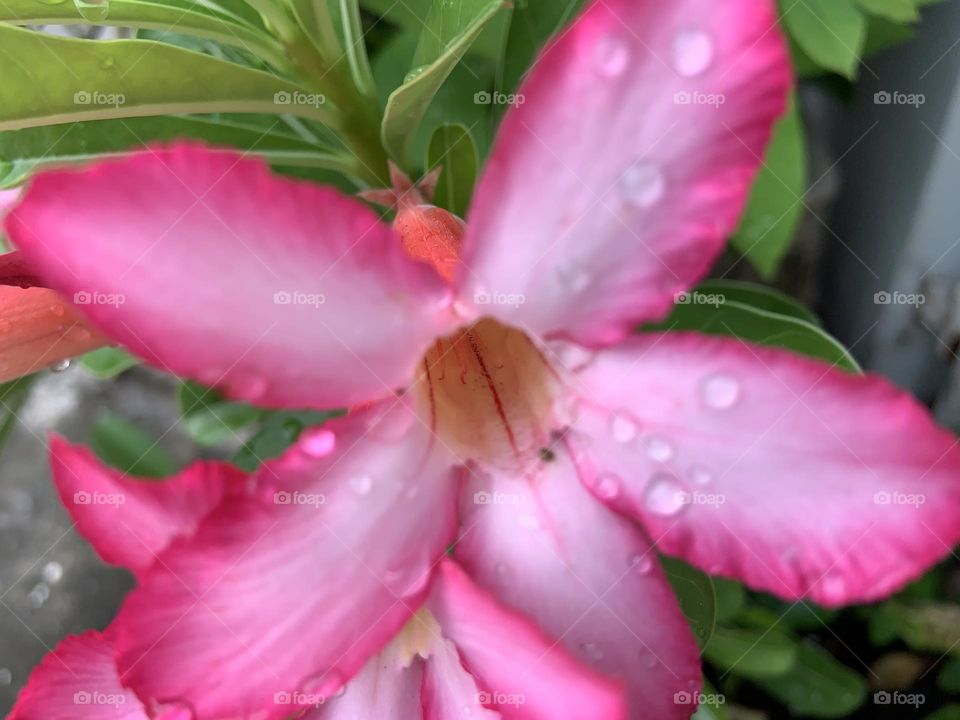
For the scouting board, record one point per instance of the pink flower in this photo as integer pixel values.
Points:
(538, 435)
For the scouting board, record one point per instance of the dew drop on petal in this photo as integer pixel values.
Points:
(642, 563)
(720, 392)
(38, 595)
(699, 475)
(361, 484)
(623, 428)
(608, 486)
(642, 184)
(52, 572)
(611, 55)
(60, 366)
(592, 650)
(692, 53)
(317, 442)
(659, 449)
(665, 496)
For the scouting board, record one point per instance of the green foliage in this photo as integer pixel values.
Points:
(108, 362)
(453, 149)
(121, 444)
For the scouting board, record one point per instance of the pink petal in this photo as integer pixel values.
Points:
(293, 586)
(526, 674)
(607, 193)
(78, 679)
(450, 691)
(765, 466)
(8, 199)
(589, 577)
(130, 521)
(277, 291)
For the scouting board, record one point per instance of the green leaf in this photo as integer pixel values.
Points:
(712, 314)
(190, 18)
(277, 433)
(899, 11)
(931, 626)
(448, 32)
(694, 591)
(751, 653)
(776, 199)
(13, 395)
(731, 597)
(356, 48)
(120, 444)
(452, 148)
(817, 686)
(23, 152)
(108, 362)
(49, 80)
(948, 679)
(947, 712)
(210, 418)
(830, 32)
(758, 297)
(712, 705)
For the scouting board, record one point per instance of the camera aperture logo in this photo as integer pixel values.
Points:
(297, 98)
(95, 98)
(698, 698)
(295, 297)
(95, 297)
(885, 697)
(896, 498)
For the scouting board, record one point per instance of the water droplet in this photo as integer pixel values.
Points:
(642, 184)
(361, 484)
(623, 428)
(642, 563)
(665, 496)
(720, 392)
(608, 486)
(80, 334)
(60, 366)
(52, 572)
(592, 650)
(93, 10)
(38, 595)
(317, 442)
(414, 74)
(573, 278)
(659, 449)
(58, 310)
(692, 53)
(699, 475)
(611, 55)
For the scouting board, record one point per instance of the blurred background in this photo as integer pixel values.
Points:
(858, 218)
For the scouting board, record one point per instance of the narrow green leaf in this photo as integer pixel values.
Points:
(776, 199)
(49, 80)
(277, 433)
(694, 591)
(712, 705)
(453, 149)
(108, 362)
(122, 445)
(188, 18)
(13, 395)
(210, 418)
(830, 32)
(447, 34)
(731, 597)
(356, 48)
(751, 653)
(817, 686)
(899, 11)
(758, 297)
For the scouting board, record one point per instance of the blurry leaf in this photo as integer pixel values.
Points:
(448, 31)
(901, 11)
(356, 49)
(948, 679)
(776, 199)
(731, 597)
(108, 362)
(817, 686)
(50, 80)
(694, 590)
(751, 653)
(210, 418)
(947, 712)
(884, 623)
(13, 395)
(453, 148)
(759, 297)
(120, 444)
(931, 626)
(801, 617)
(712, 705)
(830, 32)
(277, 433)
(698, 311)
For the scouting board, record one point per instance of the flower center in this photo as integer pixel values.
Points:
(487, 392)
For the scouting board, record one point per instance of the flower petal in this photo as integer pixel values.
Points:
(526, 674)
(130, 521)
(77, 679)
(294, 585)
(544, 546)
(616, 182)
(449, 690)
(274, 290)
(772, 468)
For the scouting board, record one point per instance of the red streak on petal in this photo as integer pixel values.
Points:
(493, 392)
